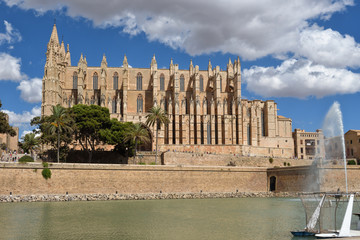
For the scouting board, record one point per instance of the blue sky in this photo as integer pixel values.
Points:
(303, 54)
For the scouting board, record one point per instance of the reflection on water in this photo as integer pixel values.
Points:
(246, 218)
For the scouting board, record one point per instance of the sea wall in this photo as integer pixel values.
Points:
(79, 179)
(26, 179)
(313, 178)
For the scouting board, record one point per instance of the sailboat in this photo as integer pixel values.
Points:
(310, 228)
(345, 230)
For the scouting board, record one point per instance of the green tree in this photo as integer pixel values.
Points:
(30, 143)
(157, 117)
(58, 123)
(116, 134)
(137, 133)
(4, 124)
(90, 121)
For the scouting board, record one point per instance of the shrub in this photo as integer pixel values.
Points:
(46, 173)
(351, 162)
(45, 164)
(152, 163)
(288, 164)
(25, 159)
(142, 163)
(271, 160)
(284, 163)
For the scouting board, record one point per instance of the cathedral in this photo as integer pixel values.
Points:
(205, 108)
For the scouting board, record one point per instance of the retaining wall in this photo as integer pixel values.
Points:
(126, 179)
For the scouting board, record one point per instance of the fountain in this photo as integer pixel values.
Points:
(334, 142)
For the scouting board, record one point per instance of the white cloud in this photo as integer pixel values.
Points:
(251, 29)
(11, 35)
(300, 78)
(10, 68)
(31, 90)
(22, 119)
(329, 47)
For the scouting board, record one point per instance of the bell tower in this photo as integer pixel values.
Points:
(51, 87)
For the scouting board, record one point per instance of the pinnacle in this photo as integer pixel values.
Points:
(54, 35)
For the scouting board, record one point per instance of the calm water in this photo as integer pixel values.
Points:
(247, 218)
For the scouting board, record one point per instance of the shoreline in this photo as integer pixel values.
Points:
(147, 196)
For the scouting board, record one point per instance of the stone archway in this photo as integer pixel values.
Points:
(272, 186)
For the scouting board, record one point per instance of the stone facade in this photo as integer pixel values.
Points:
(308, 145)
(205, 108)
(352, 144)
(11, 142)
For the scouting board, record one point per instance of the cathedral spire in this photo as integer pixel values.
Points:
(153, 60)
(209, 65)
(54, 35)
(125, 62)
(104, 62)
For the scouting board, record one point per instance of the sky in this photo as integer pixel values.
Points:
(303, 54)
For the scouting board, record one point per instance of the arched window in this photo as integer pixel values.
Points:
(248, 134)
(263, 123)
(139, 81)
(220, 84)
(201, 83)
(182, 83)
(230, 107)
(208, 131)
(75, 80)
(139, 104)
(116, 81)
(162, 82)
(114, 105)
(95, 81)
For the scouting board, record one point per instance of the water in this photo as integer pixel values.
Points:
(241, 218)
(333, 130)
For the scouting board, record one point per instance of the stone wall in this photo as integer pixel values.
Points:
(311, 178)
(212, 159)
(26, 179)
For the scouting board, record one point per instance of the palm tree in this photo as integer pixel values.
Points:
(156, 115)
(30, 142)
(137, 133)
(59, 122)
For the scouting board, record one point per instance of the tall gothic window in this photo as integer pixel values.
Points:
(182, 83)
(139, 104)
(263, 123)
(208, 131)
(95, 81)
(139, 81)
(113, 105)
(75, 80)
(220, 84)
(248, 134)
(116, 81)
(230, 107)
(162, 82)
(201, 83)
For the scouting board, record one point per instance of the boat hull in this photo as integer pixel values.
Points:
(302, 233)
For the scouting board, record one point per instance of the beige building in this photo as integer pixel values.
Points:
(352, 144)
(205, 108)
(308, 145)
(10, 142)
